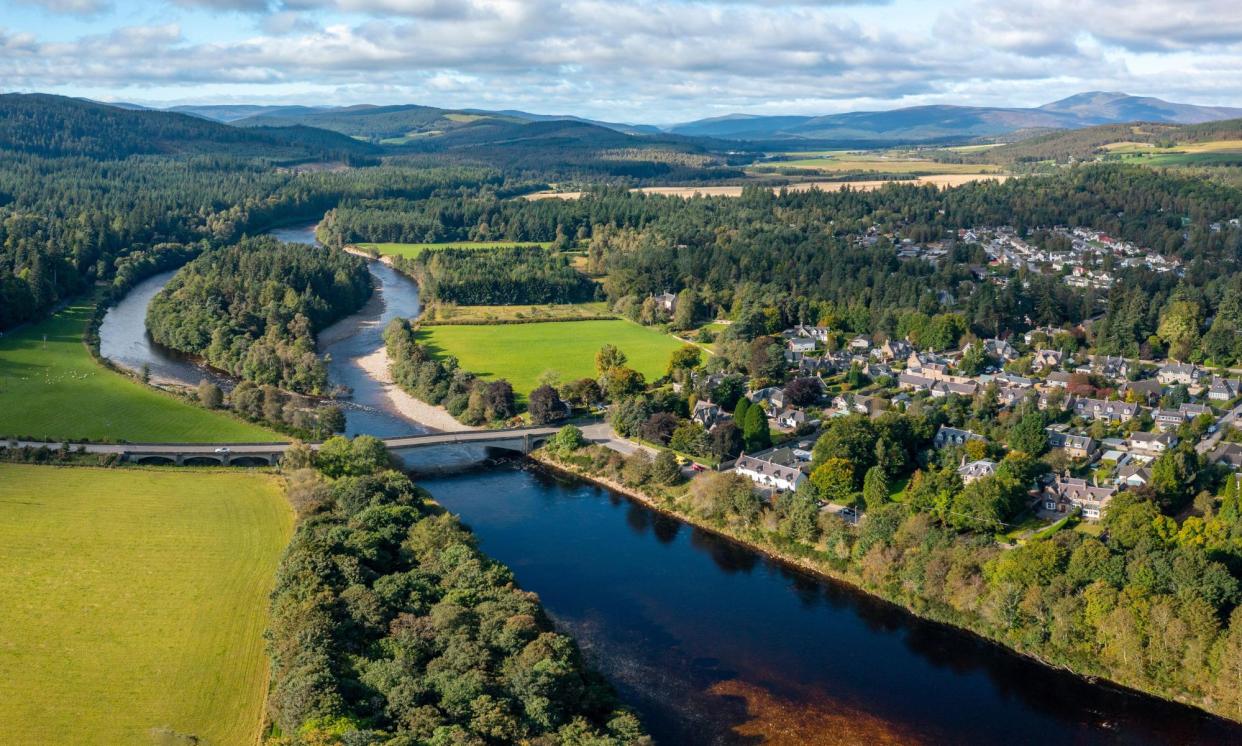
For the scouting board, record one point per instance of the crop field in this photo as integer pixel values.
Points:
(878, 162)
(135, 600)
(51, 388)
(521, 352)
(411, 250)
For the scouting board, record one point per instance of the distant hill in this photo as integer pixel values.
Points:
(57, 126)
(233, 112)
(941, 123)
(1090, 143)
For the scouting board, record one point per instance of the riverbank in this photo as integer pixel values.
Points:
(860, 575)
(437, 418)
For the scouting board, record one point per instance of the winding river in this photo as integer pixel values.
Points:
(711, 642)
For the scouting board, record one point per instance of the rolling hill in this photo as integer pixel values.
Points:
(940, 123)
(57, 126)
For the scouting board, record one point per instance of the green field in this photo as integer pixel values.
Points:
(133, 600)
(898, 162)
(55, 389)
(411, 250)
(521, 352)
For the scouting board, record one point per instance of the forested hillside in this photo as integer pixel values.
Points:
(253, 309)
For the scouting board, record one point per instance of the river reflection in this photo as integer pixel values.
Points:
(713, 643)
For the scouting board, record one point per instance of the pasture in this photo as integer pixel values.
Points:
(1211, 153)
(519, 353)
(134, 600)
(51, 389)
(411, 250)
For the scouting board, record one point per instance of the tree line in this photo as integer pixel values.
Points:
(252, 309)
(388, 625)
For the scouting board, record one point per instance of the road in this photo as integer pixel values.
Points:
(1230, 419)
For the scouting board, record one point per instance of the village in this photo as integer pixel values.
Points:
(1083, 257)
(1109, 418)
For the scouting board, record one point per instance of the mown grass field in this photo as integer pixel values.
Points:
(133, 600)
(1211, 153)
(455, 313)
(54, 389)
(521, 352)
(411, 250)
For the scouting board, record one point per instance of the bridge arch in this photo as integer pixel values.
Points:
(202, 460)
(155, 460)
(250, 461)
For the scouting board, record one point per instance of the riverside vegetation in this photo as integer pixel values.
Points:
(389, 626)
(1149, 606)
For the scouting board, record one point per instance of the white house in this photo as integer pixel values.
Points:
(779, 469)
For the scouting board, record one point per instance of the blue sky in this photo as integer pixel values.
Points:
(624, 60)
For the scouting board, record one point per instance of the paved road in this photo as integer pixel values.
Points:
(243, 449)
(1231, 418)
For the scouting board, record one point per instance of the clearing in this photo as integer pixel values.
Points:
(519, 353)
(411, 250)
(867, 162)
(51, 389)
(135, 599)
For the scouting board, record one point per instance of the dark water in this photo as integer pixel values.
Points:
(123, 339)
(714, 644)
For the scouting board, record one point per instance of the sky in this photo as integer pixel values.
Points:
(623, 60)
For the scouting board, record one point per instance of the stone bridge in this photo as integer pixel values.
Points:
(521, 439)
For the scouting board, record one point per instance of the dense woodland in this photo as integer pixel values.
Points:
(390, 626)
(253, 309)
(494, 277)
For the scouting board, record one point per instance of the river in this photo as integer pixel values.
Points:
(711, 642)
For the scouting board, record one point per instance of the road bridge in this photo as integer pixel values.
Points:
(520, 439)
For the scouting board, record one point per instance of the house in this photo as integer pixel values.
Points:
(1047, 331)
(1168, 419)
(1224, 389)
(860, 344)
(1101, 409)
(965, 387)
(779, 469)
(1229, 454)
(1010, 396)
(707, 414)
(1191, 411)
(1074, 445)
(914, 382)
(1148, 389)
(791, 419)
(1152, 443)
(800, 344)
(666, 301)
(773, 395)
(976, 470)
(1058, 378)
(817, 333)
(1110, 367)
(1173, 374)
(999, 349)
(1068, 494)
(1134, 475)
(893, 349)
(1012, 379)
(952, 436)
(1046, 359)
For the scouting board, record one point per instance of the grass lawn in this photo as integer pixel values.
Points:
(56, 390)
(453, 312)
(411, 250)
(521, 352)
(133, 600)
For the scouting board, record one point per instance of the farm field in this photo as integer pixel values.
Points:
(1211, 153)
(54, 389)
(735, 190)
(135, 600)
(521, 352)
(856, 161)
(545, 312)
(411, 250)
